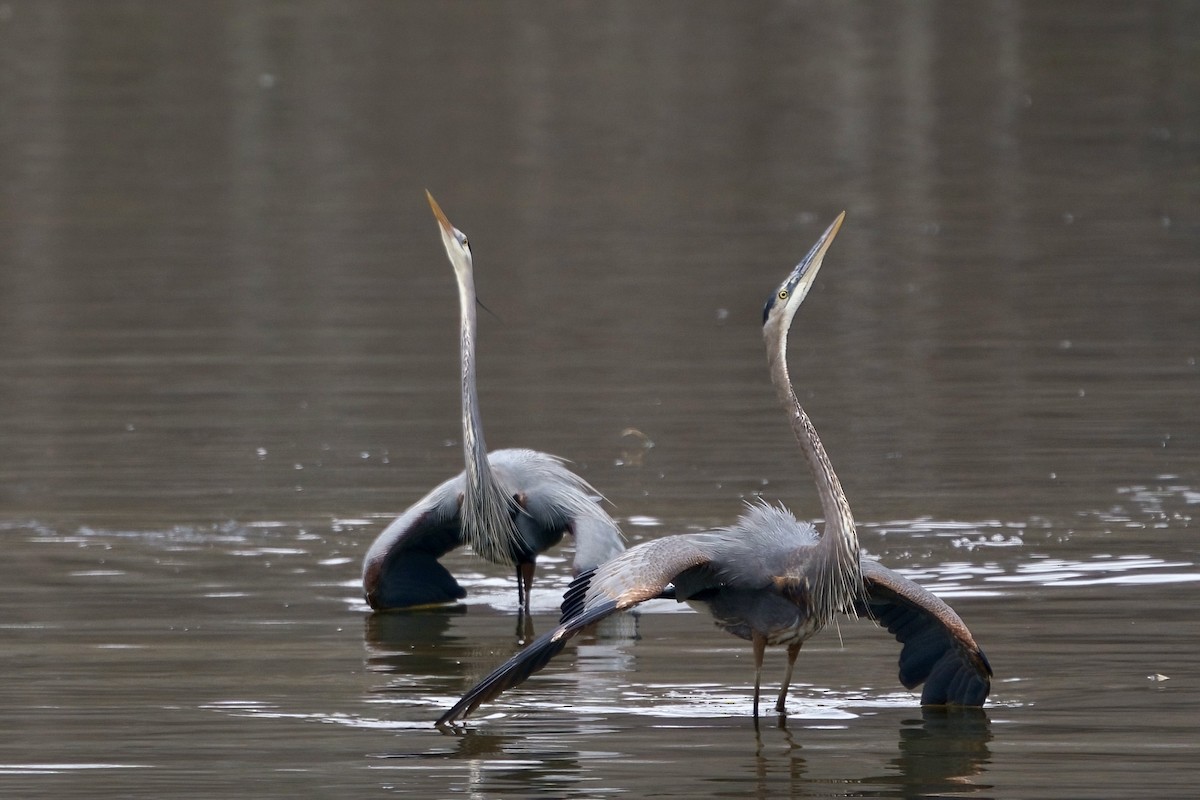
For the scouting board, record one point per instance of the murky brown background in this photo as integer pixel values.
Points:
(228, 356)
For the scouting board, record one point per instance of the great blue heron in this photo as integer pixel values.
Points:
(770, 578)
(508, 505)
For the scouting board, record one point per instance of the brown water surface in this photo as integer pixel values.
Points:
(228, 355)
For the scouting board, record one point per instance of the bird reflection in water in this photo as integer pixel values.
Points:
(943, 752)
(520, 763)
(425, 649)
(416, 643)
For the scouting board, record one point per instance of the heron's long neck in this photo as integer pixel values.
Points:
(479, 472)
(840, 539)
(486, 521)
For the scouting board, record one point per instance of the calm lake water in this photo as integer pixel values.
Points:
(228, 356)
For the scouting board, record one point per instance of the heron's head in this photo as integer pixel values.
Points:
(782, 304)
(455, 241)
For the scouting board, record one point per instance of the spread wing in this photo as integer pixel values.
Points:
(597, 538)
(637, 575)
(938, 650)
(401, 569)
(554, 500)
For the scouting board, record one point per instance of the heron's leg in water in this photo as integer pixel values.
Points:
(524, 583)
(760, 647)
(792, 651)
(525, 633)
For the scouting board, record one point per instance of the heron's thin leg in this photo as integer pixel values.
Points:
(760, 647)
(792, 651)
(524, 583)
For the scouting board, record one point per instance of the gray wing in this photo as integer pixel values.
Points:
(640, 574)
(938, 650)
(637, 575)
(401, 569)
(555, 500)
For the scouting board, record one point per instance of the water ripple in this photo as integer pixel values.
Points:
(57, 768)
(262, 710)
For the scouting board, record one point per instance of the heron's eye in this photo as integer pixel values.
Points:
(783, 294)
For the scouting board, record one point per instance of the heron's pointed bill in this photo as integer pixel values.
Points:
(441, 217)
(796, 287)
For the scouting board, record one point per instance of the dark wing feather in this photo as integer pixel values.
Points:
(525, 663)
(401, 569)
(938, 651)
(638, 574)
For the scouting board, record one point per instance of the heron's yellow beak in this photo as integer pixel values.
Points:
(806, 271)
(818, 252)
(437, 212)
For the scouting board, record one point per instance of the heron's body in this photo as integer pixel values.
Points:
(778, 608)
(508, 505)
(770, 578)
